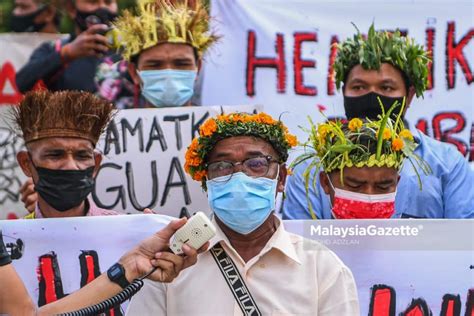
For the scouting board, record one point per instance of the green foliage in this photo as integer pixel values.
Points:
(384, 47)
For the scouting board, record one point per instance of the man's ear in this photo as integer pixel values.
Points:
(132, 70)
(97, 161)
(24, 162)
(282, 178)
(323, 179)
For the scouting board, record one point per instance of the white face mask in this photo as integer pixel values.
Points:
(348, 204)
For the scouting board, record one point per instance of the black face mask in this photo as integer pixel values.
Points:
(26, 23)
(368, 106)
(85, 19)
(64, 189)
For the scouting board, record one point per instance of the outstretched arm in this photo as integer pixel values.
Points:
(150, 253)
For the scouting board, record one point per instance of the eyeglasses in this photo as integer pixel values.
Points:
(222, 171)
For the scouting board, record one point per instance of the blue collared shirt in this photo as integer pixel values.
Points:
(446, 193)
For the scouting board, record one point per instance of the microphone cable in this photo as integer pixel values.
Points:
(115, 300)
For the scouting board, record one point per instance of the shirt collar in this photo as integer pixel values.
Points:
(281, 241)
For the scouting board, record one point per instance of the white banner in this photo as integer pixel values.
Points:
(278, 53)
(401, 267)
(15, 52)
(143, 163)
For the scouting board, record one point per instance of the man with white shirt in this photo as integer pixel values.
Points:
(240, 160)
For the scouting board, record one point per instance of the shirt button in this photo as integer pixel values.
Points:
(262, 265)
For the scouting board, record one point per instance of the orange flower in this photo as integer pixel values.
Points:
(194, 161)
(265, 118)
(187, 167)
(406, 134)
(397, 144)
(208, 128)
(386, 134)
(194, 145)
(236, 117)
(223, 118)
(199, 175)
(355, 124)
(291, 140)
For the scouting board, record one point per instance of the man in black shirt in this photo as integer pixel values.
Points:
(71, 63)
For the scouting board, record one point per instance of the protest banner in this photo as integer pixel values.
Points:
(143, 163)
(144, 149)
(17, 49)
(401, 267)
(280, 54)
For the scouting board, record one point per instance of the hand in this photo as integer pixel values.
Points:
(29, 197)
(151, 253)
(149, 211)
(88, 43)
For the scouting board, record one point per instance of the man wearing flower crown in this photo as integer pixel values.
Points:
(165, 44)
(361, 161)
(240, 160)
(393, 68)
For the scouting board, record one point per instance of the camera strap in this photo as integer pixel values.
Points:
(235, 281)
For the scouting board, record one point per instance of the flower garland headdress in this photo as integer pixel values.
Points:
(335, 146)
(223, 126)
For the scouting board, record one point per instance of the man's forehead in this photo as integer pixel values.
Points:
(169, 49)
(242, 145)
(61, 143)
(385, 72)
(370, 174)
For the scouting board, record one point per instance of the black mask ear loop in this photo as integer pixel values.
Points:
(33, 164)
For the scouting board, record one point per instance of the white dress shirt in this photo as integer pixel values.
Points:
(290, 276)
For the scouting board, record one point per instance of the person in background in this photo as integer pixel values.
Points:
(61, 130)
(164, 45)
(239, 159)
(71, 63)
(35, 16)
(393, 68)
(163, 67)
(150, 253)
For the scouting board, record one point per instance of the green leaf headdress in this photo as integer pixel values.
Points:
(383, 47)
(371, 143)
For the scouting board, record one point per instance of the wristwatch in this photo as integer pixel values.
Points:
(116, 274)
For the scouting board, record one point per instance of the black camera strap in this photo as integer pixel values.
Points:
(235, 281)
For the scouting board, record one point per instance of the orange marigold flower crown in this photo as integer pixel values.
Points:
(235, 124)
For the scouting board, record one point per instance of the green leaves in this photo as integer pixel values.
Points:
(380, 47)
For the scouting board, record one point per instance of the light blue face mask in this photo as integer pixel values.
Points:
(167, 87)
(243, 203)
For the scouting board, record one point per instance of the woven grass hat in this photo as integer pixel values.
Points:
(160, 21)
(44, 114)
